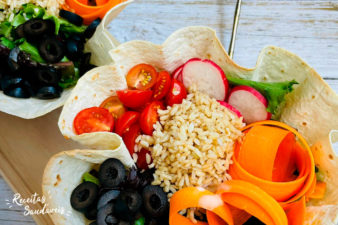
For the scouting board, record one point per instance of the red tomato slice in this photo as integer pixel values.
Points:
(177, 93)
(114, 106)
(124, 123)
(162, 85)
(134, 98)
(142, 77)
(142, 159)
(93, 119)
(130, 136)
(149, 117)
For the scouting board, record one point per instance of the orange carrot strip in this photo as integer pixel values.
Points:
(296, 212)
(192, 197)
(319, 191)
(252, 199)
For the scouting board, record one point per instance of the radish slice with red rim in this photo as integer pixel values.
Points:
(250, 102)
(207, 76)
(231, 108)
(177, 74)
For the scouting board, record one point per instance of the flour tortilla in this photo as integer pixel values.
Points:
(311, 109)
(63, 174)
(99, 45)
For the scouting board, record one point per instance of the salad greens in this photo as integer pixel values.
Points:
(274, 92)
(7, 43)
(90, 178)
(32, 50)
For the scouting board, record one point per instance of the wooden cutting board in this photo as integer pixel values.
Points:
(25, 148)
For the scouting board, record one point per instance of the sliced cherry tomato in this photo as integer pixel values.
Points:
(124, 123)
(142, 159)
(134, 98)
(177, 93)
(162, 85)
(114, 106)
(130, 136)
(93, 119)
(149, 117)
(142, 77)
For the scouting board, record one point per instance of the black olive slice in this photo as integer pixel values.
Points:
(84, 196)
(89, 32)
(48, 76)
(91, 213)
(52, 50)
(112, 173)
(4, 51)
(37, 28)
(103, 213)
(18, 92)
(19, 32)
(74, 49)
(13, 59)
(155, 201)
(48, 92)
(107, 198)
(8, 82)
(71, 17)
(93, 223)
(133, 200)
(111, 220)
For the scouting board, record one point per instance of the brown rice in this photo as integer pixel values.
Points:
(9, 7)
(192, 145)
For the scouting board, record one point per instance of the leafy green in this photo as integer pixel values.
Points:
(32, 50)
(19, 41)
(90, 178)
(5, 29)
(274, 92)
(140, 221)
(8, 43)
(64, 26)
(33, 11)
(18, 20)
(70, 81)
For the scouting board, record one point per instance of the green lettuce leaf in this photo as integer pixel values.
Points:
(8, 43)
(90, 178)
(32, 50)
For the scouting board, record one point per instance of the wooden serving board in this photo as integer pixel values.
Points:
(25, 148)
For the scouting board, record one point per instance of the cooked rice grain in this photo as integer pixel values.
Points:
(192, 145)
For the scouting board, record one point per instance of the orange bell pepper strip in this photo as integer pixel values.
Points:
(193, 197)
(319, 191)
(296, 212)
(252, 199)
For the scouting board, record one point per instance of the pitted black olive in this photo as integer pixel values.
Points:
(48, 76)
(74, 49)
(48, 92)
(89, 32)
(13, 59)
(84, 196)
(71, 17)
(19, 32)
(52, 50)
(18, 92)
(8, 82)
(85, 63)
(37, 28)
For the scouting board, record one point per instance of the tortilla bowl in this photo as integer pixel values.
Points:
(98, 45)
(311, 108)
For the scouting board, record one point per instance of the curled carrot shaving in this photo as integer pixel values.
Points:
(193, 197)
(273, 144)
(295, 212)
(319, 191)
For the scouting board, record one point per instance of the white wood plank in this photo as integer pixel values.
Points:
(307, 28)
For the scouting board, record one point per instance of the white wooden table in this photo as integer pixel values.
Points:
(307, 28)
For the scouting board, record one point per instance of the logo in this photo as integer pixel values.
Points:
(35, 199)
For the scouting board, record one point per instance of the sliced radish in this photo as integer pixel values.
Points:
(177, 74)
(231, 108)
(250, 102)
(208, 77)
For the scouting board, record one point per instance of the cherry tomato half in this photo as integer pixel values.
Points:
(177, 93)
(149, 117)
(93, 119)
(134, 98)
(124, 123)
(142, 77)
(162, 85)
(114, 106)
(142, 159)
(130, 136)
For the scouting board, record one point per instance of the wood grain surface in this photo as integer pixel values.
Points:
(307, 28)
